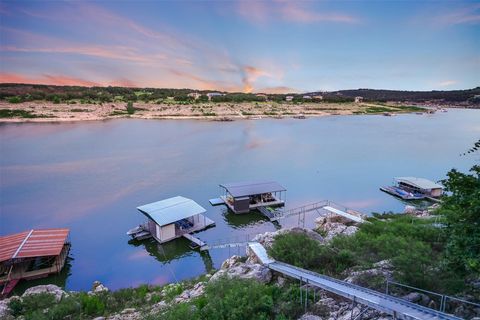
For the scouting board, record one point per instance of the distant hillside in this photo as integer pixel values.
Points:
(30, 92)
(413, 96)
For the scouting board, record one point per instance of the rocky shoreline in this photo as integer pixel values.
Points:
(327, 306)
(38, 111)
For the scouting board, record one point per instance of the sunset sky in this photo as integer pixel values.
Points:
(250, 46)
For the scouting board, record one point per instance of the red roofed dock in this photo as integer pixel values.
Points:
(31, 254)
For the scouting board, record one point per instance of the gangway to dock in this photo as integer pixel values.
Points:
(195, 240)
(325, 205)
(396, 307)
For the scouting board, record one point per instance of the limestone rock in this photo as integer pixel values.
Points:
(197, 290)
(245, 271)
(417, 297)
(159, 306)
(99, 287)
(230, 262)
(5, 312)
(380, 269)
(56, 291)
(307, 316)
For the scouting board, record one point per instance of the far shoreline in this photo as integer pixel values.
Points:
(46, 112)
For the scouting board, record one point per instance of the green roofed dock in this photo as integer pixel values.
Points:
(172, 218)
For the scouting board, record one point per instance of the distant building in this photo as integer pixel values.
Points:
(307, 98)
(358, 99)
(263, 96)
(288, 98)
(210, 95)
(317, 97)
(194, 95)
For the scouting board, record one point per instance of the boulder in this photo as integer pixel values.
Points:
(5, 312)
(417, 297)
(56, 291)
(197, 290)
(128, 310)
(308, 316)
(382, 269)
(159, 306)
(230, 262)
(245, 271)
(98, 287)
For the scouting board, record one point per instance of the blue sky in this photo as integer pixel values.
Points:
(249, 46)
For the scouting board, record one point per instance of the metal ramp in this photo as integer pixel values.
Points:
(396, 307)
(343, 214)
(260, 253)
(326, 205)
(197, 241)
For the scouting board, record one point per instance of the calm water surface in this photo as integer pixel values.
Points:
(90, 176)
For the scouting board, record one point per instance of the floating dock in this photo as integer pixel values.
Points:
(216, 201)
(20, 253)
(173, 218)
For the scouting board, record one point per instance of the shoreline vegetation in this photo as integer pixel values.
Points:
(436, 249)
(44, 103)
(48, 112)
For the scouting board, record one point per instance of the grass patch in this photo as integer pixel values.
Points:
(79, 110)
(8, 113)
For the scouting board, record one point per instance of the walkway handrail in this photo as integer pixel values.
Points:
(400, 308)
(443, 297)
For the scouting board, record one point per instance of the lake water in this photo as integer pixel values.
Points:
(91, 176)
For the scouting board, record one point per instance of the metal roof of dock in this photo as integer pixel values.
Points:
(170, 210)
(33, 243)
(419, 182)
(241, 189)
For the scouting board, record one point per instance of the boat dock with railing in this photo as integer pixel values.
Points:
(172, 218)
(412, 188)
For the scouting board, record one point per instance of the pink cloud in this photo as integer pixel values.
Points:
(466, 15)
(260, 12)
(298, 12)
(45, 79)
(447, 83)
(277, 90)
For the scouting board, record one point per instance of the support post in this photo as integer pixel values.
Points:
(300, 287)
(306, 296)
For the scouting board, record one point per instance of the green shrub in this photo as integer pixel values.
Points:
(66, 307)
(14, 99)
(237, 299)
(130, 108)
(92, 304)
(297, 249)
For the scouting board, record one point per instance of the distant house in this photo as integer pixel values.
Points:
(210, 95)
(194, 95)
(288, 98)
(261, 95)
(307, 98)
(317, 97)
(358, 99)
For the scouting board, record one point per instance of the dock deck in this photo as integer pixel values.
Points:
(256, 206)
(216, 201)
(203, 223)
